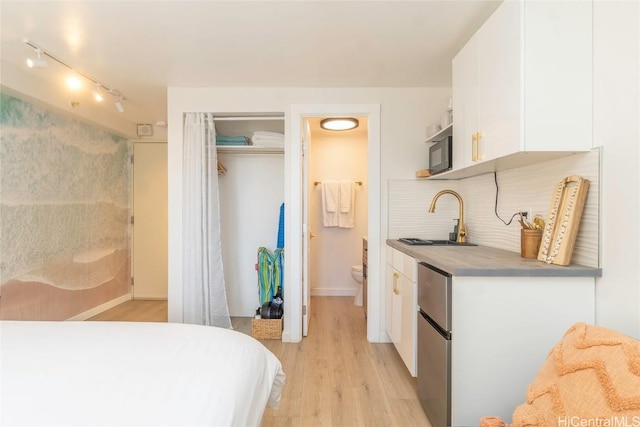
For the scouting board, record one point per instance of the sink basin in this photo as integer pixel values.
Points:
(423, 242)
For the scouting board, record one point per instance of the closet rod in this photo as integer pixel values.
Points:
(320, 182)
(221, 119)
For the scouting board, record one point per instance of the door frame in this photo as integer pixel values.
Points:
(293, 214)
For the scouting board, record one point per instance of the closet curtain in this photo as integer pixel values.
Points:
(204, 295)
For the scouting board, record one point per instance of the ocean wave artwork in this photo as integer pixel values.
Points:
(64, 208)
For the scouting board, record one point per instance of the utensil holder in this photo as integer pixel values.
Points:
(530, 242)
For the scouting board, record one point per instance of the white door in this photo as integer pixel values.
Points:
(306, 231)
(150, 220)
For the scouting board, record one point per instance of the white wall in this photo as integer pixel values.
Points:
(405, 113)
(616, 72)
(335, 157)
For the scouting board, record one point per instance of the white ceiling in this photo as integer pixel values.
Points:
(143, 47)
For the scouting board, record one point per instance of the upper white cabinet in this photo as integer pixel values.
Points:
(523, 83)
(465, 103)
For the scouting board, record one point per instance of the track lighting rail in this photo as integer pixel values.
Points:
(112, 91)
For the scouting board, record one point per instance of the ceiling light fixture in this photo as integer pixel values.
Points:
(97, 94)
(38, 62)
(74, 82)
(100, 88)
(119, 105)
(339, 123)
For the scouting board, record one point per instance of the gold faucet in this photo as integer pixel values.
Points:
(462, 229)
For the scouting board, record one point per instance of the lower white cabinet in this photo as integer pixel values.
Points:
(401, 305)
(502, 330)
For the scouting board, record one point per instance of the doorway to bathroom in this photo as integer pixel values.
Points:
(300, 189)
(337, 209)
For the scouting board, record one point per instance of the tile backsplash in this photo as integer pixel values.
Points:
(527, 188)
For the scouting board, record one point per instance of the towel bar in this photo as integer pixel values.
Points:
(320, 182)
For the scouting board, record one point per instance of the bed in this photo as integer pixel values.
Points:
(133, 374)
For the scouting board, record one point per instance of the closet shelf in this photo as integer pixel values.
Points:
(249, 149)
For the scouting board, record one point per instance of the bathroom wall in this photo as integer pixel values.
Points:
(64, 209)
(336, 156)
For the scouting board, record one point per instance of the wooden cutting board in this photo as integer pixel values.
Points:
(424, 173)
(563, 221)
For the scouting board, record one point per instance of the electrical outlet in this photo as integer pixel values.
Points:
(524, 213)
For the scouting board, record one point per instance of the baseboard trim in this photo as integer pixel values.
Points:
(333, 292)
(103, 307)
(242, 311)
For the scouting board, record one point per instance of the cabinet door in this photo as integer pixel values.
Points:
(465, 110)
(558, 64)
(500, 83)
(407, 345)
(396, 310)
(389, 298)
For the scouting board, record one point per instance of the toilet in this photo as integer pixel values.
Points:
(356, 273)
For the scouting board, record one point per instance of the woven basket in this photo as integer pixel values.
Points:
(266, 329)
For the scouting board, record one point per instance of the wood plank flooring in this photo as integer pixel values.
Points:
(334, 376)
(136, 311)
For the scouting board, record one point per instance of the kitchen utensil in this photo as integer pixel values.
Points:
(530, 242)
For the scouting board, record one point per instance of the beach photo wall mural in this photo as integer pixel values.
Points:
(64, 213)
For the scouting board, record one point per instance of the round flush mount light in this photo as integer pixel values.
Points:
(339, 123)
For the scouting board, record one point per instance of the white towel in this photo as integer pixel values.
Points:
(330, 203)
(346, 196)
(346, 218)
(268, 134)
(267, 143)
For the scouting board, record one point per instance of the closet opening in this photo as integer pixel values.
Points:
(251, 192)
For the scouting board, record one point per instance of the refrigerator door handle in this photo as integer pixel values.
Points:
(445, 334)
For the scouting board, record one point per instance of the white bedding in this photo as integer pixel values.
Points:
(133, 374)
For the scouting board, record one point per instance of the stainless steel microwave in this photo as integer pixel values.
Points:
(440, 156)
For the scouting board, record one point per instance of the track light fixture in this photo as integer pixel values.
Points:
(119, 105)
(74, 82)
(97, 94)
(39, 62)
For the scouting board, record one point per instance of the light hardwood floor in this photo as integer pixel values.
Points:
(136, 311)
(334, 376)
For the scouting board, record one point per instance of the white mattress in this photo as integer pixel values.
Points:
(133, 374)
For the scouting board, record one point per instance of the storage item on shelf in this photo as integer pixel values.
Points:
(232, 140)
(268, 139)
